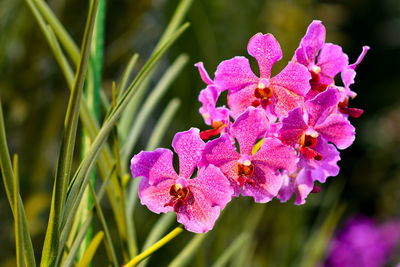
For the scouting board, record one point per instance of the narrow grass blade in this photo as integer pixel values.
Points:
(127, 73)
(109, 243)
(231, 250)
(173, 25)
(92, 92)
(91, 250)
(316, 245)
(19, 242)
(151, 102)
(51, 243)
(175, 22)
(61, 59)
(186, 255)
(159, 229)
(8, 176)
(67, 233)
(251, 224)
(66, 40)
(69, 261)
(163, 123)
(154, 247)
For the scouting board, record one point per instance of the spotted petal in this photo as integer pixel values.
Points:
(318, 108)
(338, 130)
(294, 77)
(240, 100)
(332, 60)
(284, 101)
(209, 193)
(157, 195)
(249, 127)
(293, 127)
(266, 184)
(276, 155)
(266, 50)
(221, 153)
(154, 166)
(311, 43)
(234, 74)
(188, 145)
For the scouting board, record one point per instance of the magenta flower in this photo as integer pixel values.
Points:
(279, 94)
(363, 242)
(216, 117)
(258, 173)
(348, 76)
(302, 182)
(196, 201)
(323, 67)
(303, 130)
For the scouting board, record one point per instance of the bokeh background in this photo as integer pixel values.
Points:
(34, 96)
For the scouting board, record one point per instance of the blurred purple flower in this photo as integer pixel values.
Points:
(363, 242)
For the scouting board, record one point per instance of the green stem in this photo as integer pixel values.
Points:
(154, 247)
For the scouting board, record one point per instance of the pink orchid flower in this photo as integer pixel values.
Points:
(278, 94)
(304, 130)
(323, 66)
(197, 201)
(258, 173)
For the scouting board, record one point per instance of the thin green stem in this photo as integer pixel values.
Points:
(154, 247)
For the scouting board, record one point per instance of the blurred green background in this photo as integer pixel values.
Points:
(34, 96)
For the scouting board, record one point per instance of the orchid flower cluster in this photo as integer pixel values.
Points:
(288, 129)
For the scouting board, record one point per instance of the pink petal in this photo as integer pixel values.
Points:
(318, 108)
(240, 100)
(213, 183)
(360, 57)
(304, 186)
(266, 50)
(209, 193)
(267, 184)
(338, 130)
(294, 77)
(248, 128)
(208, 97)
(328, 165)
(287, 188)
(275, 155)
(157, 195)
(332, 60)
(284, 101)
(234, 74)
(293, 127)
(196, 215)
(221, 153)
(203, 73)
(154, 166)
(311, 43)
(188, 145)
